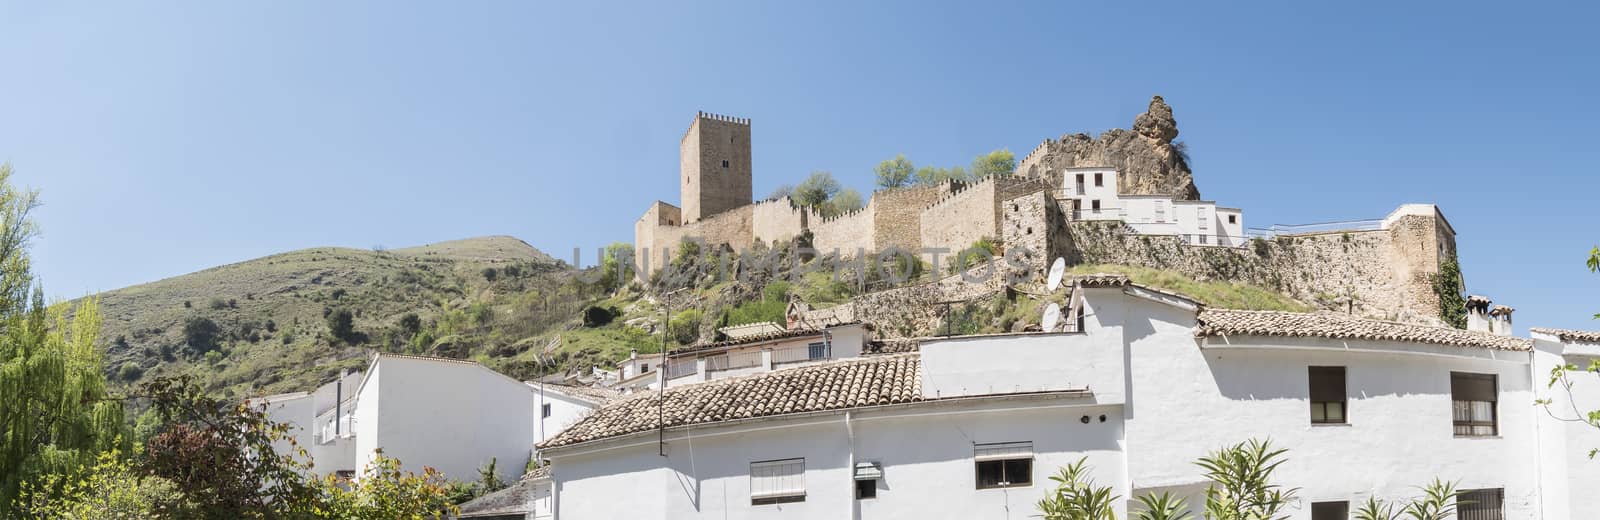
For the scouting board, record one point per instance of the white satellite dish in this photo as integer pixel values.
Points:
(1057, 271)
(1052, 316)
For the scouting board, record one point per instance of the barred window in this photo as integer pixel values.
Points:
(778, 481)
(1481, 504)
(1473, 400)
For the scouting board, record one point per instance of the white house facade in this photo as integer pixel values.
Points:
(971, 427)
(1092, 195)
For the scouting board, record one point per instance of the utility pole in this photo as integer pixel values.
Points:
(661, 371)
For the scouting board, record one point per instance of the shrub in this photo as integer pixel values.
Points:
(200, 333)
(597, 316)
(410, 324)
(130, 371)
(217, 304)
(341, 323)
(489, 274)
(686, 326)
(1076, 497)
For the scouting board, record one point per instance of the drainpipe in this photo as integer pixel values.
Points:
(850, 465)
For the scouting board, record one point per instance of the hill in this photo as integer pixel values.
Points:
(262, 325)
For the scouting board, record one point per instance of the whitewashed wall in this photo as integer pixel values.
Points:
(564, 411)
(707, 475)
(446, 415)
(1569, 474)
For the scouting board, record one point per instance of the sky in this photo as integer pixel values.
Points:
(171, 137)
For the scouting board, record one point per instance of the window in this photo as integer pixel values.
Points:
(1327, 395)
(1161, 212)
(1330, 511)
(1095, 205)
(1473, 397)
(867, 475)
(1080, 184)
(817, 351)
(1004, 464)
(1098, 180)
(644, 367)
(1200, 215)
(1233, 219)
(1480, 504)
(545, 410)
(778, 481)
(724, 163)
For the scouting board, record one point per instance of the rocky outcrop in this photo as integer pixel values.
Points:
(1148, 161)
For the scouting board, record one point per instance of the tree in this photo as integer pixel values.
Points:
(489, 274)
(341, 323)
(616, 265)
(1561, 375)
(998, 162)
(895, 172)
(221, 454)
(1076, 497)
(781, 192)
(845, 201)
(930, 175)
(816, 190)
(410, 324)
(55, 416)
(200, 334)
(113, 488)
(1241, 482)
(385, 492)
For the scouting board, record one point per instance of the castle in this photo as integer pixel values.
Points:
(1126, 197)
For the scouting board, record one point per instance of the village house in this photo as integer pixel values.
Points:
(971, 427)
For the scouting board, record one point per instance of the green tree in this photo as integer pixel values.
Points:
(1162, 507)
(200, 334)
(845, 201)
(616, 266)
(930, 175)
(341, 323)
(385, 492)
(998, 162)
(781, 191)
(114, 488)
(895, 172)
(816, 190)
(55, 417)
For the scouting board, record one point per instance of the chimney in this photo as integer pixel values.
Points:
(1500, 320)
(1477, 313)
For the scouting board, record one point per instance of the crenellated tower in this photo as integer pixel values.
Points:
(714, 163)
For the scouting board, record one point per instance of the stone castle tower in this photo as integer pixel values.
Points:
(714, 160)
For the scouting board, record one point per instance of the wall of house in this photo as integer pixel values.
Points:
(564, 411)
(707, 475)
(1399, 434)
(300, 414)
(1022, 363)
(1568, 471)
(451, 416)
(366, 420)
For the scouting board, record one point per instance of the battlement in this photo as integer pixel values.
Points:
(1038, 151)
(708, 116)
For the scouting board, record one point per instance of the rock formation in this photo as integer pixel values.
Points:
(1146, 158)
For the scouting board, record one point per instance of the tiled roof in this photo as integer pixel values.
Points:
(754, 338)
(1224, 322)
(1102, 280)
(891, 346)
(513, 500)
(869, 381)
(595, 394)
(1569, 335)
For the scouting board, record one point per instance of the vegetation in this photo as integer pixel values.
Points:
(894, 173)
(1077, 497)
(113, 488)
(1241, 482)
(826, 196)
(1447, 286)
(770, 308)
(1438, 502)
(384, 492)
(899, 171)
(1224, 295)
(995, 163)
(1561, 377)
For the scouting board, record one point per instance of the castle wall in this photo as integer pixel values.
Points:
(715, 166)
(846, 233)
(956, 221)
(776, 220)
(659, 225)
(897, 215)
(1028, 223)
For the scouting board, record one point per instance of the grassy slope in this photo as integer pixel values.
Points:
(292, 290)
(1224, 295)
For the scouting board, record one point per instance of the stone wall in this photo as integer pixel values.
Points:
(776, 220)
(1357, 272)
(657, 226)
(1027, 225)
(845, 233)
(897, 215)
(956, 221)
(912, 310)
(714, 166)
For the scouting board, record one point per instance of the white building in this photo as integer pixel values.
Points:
(1092, 194)
(772, 349)
(451, 415)
(1567, 440)
(971, 427)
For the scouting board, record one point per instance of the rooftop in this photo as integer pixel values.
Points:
(1570, 335)
(753, 339)
(869, 381)
(593, 394)
(1224, 322)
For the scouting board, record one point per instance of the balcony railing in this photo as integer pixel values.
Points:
(682, 367)
(801, 353)
(733, 360)
(1320, 227)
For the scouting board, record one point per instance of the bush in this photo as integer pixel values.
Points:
(341, 323)
(200, 333)
(218, 304)
(686, 326)
(410, 324)
(130, 371)
(489, 274)
(597, 316)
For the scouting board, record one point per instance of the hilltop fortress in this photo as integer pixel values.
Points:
(1126, 197)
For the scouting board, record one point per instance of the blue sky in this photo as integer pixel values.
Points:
(171, 137)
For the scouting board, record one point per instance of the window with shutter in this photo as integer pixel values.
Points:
(1328, 400)
(1003, 464)
(1473, 404)
(1481, 504)
(778, 481)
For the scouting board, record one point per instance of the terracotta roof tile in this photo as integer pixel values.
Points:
(1225, 322)
(1103, 280)
(1570, 335)
(594, 394)
(869, 381)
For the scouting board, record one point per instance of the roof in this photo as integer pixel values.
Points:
(869, 381)
(891, 346)
(512, 500)
(279, 397)
(754, 338)
(1226, 322)
(593, 394)
(1570, 335)
(1103, 280)
(750, 329)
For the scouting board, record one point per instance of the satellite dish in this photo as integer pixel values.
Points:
(1052, 316)
(1057, 270)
